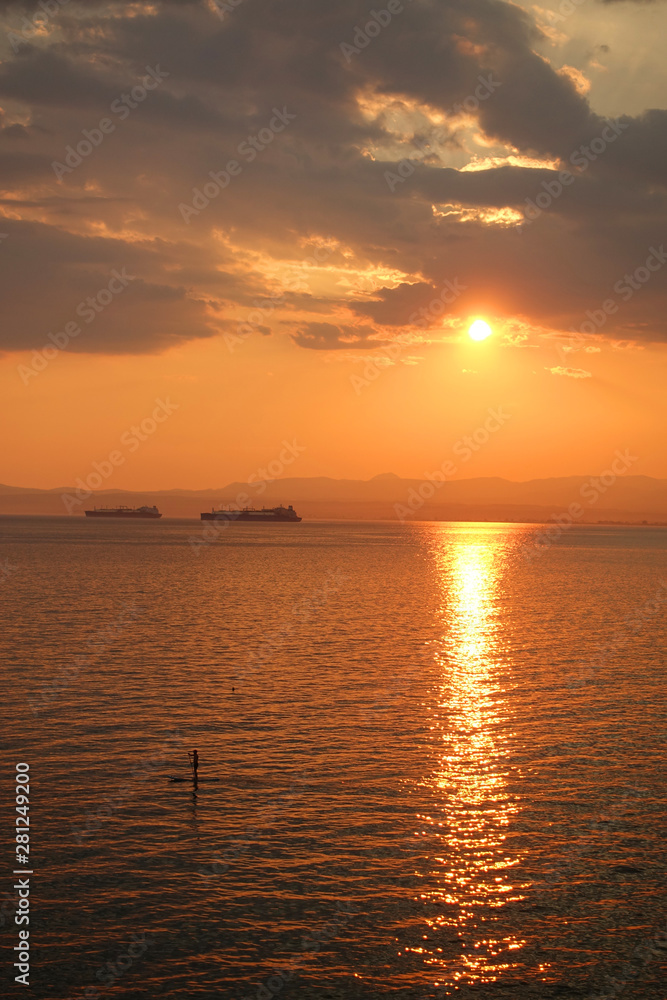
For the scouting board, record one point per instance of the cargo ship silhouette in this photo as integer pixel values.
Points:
(150, 512)
(253, 515)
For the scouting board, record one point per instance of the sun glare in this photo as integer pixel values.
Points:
(480, 330)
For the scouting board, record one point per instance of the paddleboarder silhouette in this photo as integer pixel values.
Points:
(194, 760)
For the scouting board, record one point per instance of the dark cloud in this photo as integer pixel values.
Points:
(17, 167)
(394, 306)
(324, 176)
(329, 337)
(52, 274)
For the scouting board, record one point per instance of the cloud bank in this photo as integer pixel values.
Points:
(281, 125)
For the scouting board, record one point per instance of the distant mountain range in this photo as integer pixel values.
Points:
(590, 499)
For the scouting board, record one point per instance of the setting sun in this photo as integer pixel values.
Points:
(480, 330)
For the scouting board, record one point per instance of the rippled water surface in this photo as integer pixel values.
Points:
(430, 765)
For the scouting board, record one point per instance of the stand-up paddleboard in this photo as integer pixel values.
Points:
(171, 777)
(194, 777)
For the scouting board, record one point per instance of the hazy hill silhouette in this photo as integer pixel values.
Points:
(633, 498)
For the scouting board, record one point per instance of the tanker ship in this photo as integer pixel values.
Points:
(150, 512)
(253, 515)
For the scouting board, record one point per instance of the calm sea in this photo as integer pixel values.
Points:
(430, 759)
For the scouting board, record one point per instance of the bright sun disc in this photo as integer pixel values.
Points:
(480, 330)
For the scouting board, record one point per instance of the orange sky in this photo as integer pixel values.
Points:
(324, 296)
(233, 414)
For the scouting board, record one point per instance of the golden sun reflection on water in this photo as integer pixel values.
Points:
(472, 876)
